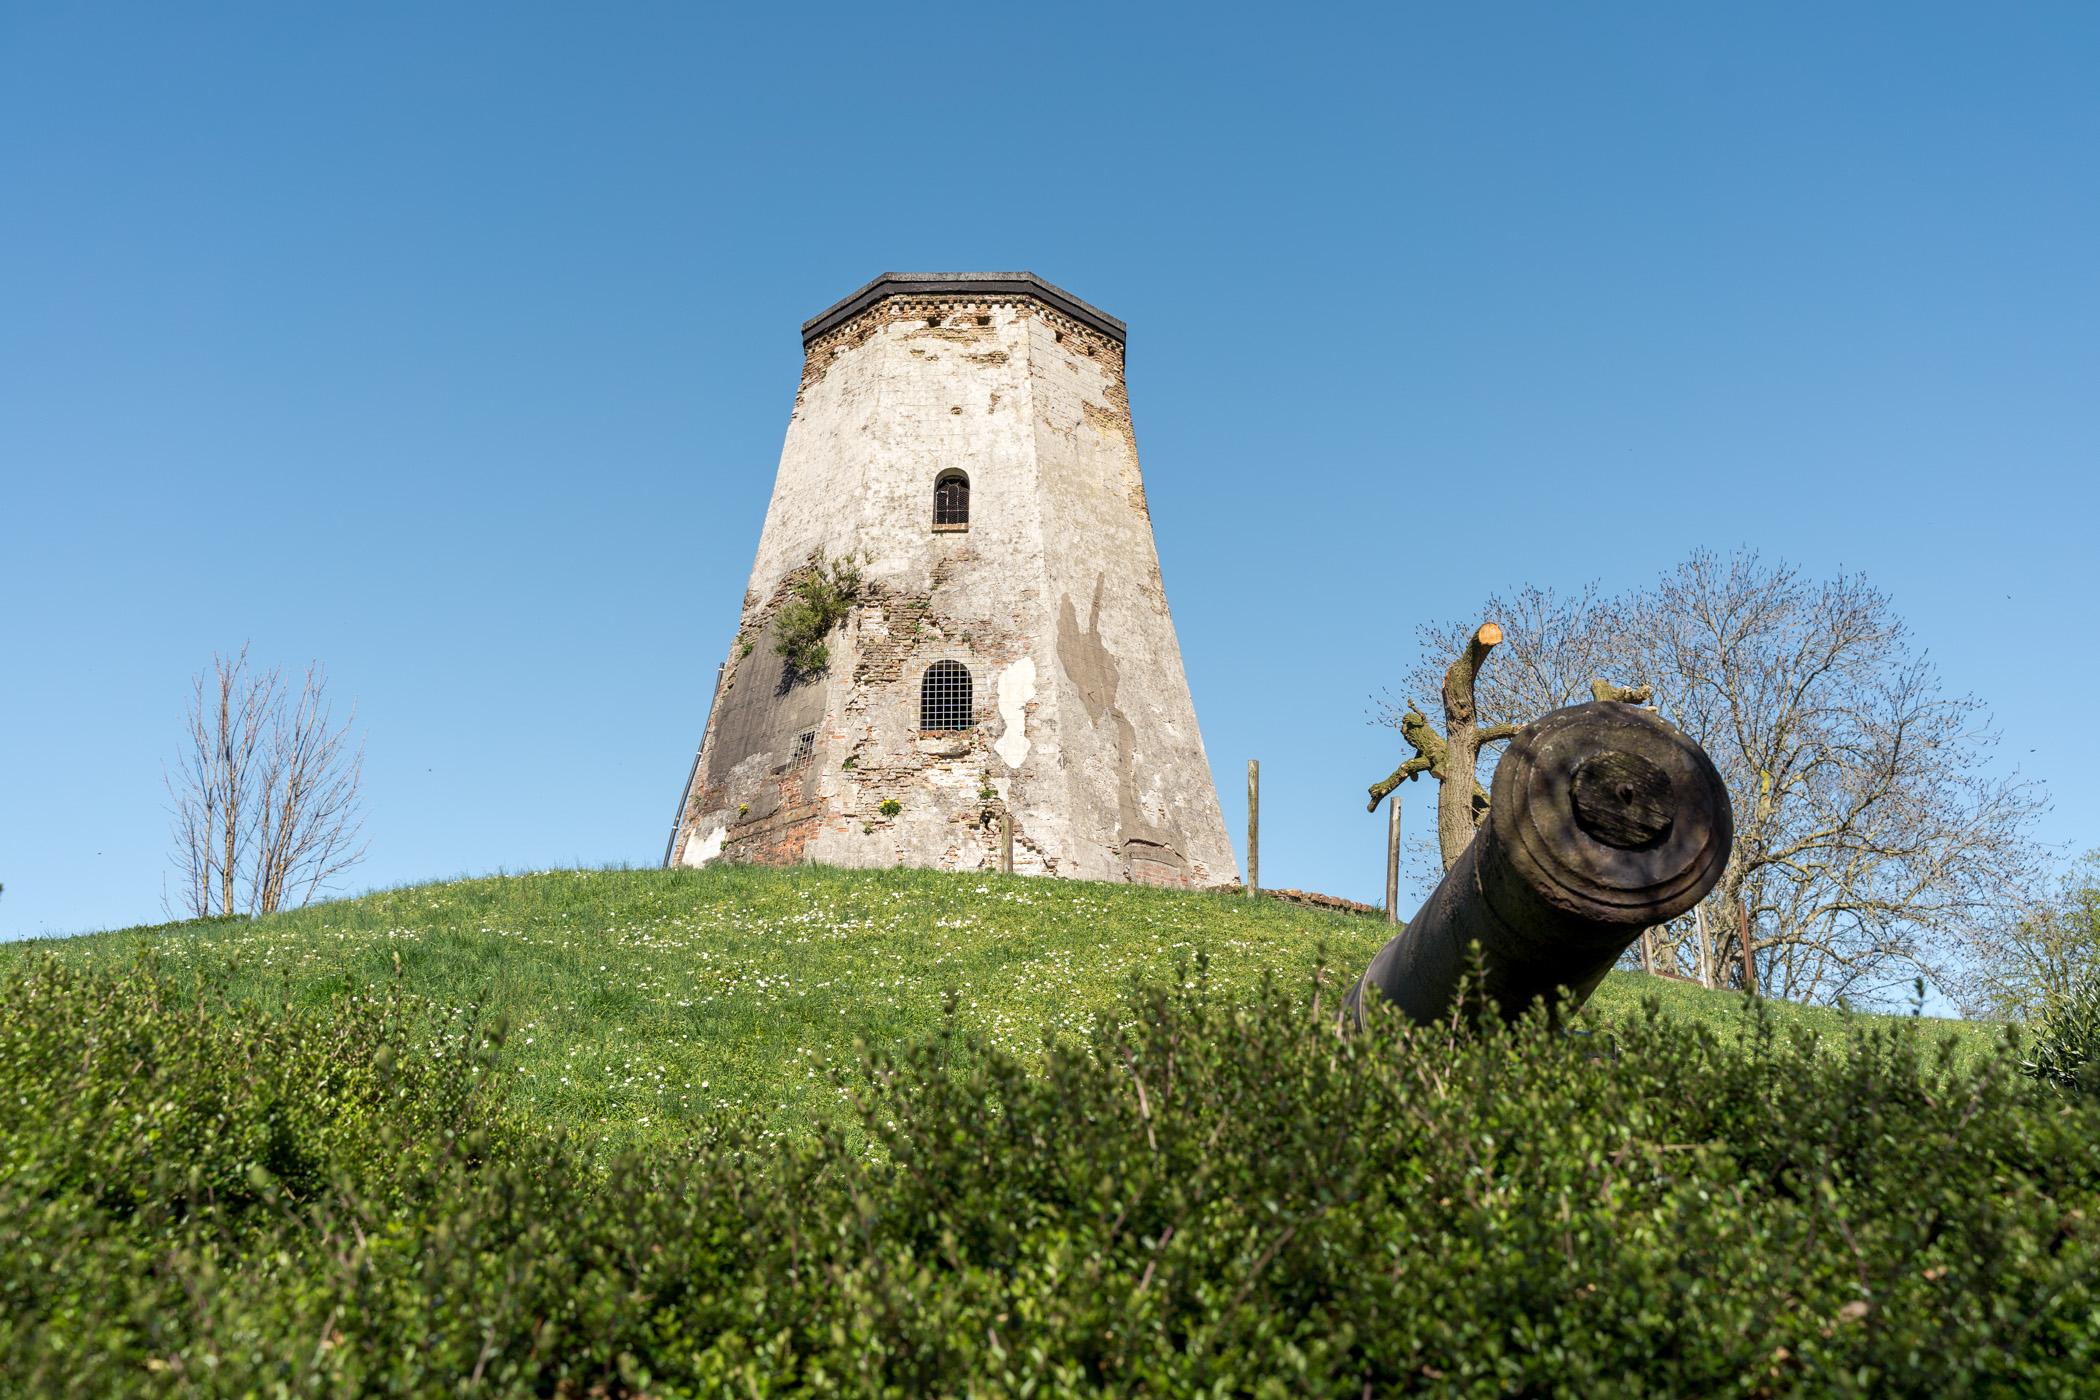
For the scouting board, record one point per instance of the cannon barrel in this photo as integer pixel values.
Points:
(1604, 820)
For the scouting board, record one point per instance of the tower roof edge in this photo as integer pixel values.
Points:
(896, 284)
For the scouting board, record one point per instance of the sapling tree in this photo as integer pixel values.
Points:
(265, 796)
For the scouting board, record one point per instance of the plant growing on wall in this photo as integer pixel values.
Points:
(817, 602)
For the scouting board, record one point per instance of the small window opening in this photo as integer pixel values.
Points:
(805, 750)
(951, 501)
(984, 320)
(944, 696)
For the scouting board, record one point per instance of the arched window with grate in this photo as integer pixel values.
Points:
(944, 697)
(951, 501)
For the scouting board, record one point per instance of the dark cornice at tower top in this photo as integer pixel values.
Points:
(933, 284)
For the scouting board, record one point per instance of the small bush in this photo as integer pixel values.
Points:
(2067, 1040)
(890, 807)
(154, 1138)
(818, 602)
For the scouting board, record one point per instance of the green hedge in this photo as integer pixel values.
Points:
(1213, 1195)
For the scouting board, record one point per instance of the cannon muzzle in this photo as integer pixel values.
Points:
(1604, 820)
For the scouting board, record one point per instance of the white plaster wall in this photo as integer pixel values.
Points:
(1149, 781)
(954, 396)
(823, 466)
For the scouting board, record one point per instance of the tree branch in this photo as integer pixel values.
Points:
(1601, 689)
(1458, 681)
(1406, 772)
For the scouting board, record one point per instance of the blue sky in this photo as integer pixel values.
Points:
(453, 346)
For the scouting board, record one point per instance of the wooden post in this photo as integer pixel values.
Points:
(1742, 924)
(1006, 842)
(1253, 826)
(1706, 945)
(1392, 860)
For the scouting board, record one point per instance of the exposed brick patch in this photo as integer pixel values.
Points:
(1333, 904)
(958, 316)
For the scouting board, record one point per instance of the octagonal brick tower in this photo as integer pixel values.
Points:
(965, 436)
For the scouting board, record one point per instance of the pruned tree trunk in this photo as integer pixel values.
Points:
(1453, 757)
(1461, 806)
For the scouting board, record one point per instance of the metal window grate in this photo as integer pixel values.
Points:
(944, 696)
(805, 750)
(951, 500)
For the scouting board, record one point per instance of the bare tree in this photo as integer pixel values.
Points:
(213, 785)
(1873, 837)
(264, 797)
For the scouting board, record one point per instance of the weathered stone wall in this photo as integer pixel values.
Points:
(1139, 783)
(1084, 730)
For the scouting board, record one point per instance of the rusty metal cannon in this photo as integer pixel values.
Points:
(1604, 820)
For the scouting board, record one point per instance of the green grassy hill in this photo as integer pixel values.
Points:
(640, 1002)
